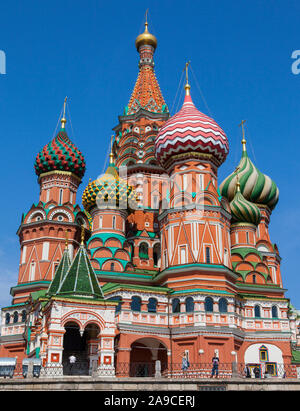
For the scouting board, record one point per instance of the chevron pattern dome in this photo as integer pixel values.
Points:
(191, 131)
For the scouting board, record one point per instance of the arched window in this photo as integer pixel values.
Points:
(7, 318)
(119, 299)
(208, 304)
(156, 254)
(152, 303)
(136, 303)
(114, 222)
(176, 305)
(112, 266)
(257, 311)
(207, 254)
(223, 305)
(263, 353)
(16, 317)
(23, 316)
(143, 251)
(274, 311)
(189, 304)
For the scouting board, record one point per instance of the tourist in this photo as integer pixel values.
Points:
(72, 361)
(247, 371)
(185, 362)
(215, 366)
(256, 371)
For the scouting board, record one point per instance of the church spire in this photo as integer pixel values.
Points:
(146, 94)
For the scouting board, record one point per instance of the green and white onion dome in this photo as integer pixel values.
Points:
(243, 211)
(255, 186)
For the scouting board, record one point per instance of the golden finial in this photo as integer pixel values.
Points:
(187, 86)
(146, 38)
(111, 156)
(82, 234)
(243, 133)
(63, 119)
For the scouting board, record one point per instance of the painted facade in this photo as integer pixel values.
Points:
(161, 259)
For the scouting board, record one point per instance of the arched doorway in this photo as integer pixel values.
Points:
(75, 345)
(144, 352)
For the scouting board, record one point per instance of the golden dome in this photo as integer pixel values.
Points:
(146, 38)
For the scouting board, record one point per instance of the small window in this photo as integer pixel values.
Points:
(254, 279)
(118, 307)
(208, 304)
(23, 316)
(274, 311)
(247, 237)
(257, 311)
(7, 318)
(207, 255)
(114, 222)
(176, 305)
(16, 317)
(143, 251)
(223, 305)
(263, 353)
(189, 304)
(152, 304)
(136, 303)
(112, 267)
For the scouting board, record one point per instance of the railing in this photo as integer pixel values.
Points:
(152, 370)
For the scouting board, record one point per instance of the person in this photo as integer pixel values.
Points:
(247, 371)
(185, 362)
(256, 371)
(215, 366)
(72, 361)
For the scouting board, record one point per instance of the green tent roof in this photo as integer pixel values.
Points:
(80, 279)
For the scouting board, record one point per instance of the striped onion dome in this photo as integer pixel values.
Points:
(243, 211)
(109, 191)
(60, 154)
(190, 131)
(255, 186)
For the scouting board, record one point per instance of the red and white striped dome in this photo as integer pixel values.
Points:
(190, 131)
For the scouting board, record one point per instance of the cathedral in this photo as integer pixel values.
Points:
(160, 261)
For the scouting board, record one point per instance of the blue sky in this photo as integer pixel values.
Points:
(240, 54)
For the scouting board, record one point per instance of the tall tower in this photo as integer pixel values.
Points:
(134, 149)
(60, 167)
(195, 222)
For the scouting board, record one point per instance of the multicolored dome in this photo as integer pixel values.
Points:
(60, 154)
(109, 191)
(191, 131)
(242, 211)
(255, 186)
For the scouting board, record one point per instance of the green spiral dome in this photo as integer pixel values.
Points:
(243, 211)
(255, 186)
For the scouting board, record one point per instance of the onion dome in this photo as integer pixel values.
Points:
(60, 154)
(146, 38)
(109, 191)
(255, 186)
(243, 211)
(190, 131)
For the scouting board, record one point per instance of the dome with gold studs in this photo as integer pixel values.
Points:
(109, 191)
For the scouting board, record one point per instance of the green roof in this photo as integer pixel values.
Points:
(80, 279)
(60, 273)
